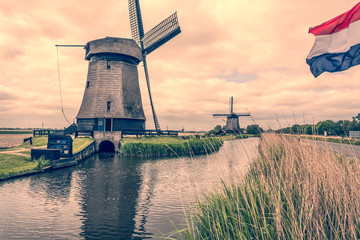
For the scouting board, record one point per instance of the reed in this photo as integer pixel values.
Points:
(293, 190)
(41, 163)
(172, 148)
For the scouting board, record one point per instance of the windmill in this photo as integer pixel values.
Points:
(112, 99)
(232, 119)
(153, 39)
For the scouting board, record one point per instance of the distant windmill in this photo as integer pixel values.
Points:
(150, 41)
(232, 119)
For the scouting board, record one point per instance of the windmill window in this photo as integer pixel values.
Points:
(108, 106)
(108, 65)
(87, 84)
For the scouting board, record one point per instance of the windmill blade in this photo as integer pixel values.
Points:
(242, 114)
(161, 33)
(136, 25)
(220, 115)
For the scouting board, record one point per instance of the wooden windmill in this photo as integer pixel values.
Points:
(232, 119)
(112, 99)
(151, 40)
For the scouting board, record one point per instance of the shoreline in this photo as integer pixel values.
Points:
(144, 147)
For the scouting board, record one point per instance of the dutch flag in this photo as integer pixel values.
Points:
(337, 43)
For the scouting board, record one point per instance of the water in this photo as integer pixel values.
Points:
(110, 197)
(12, 140)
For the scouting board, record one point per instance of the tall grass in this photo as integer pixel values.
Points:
(293, 190)
(175, 148)
(41, 163)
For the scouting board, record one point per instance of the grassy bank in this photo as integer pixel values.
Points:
(292, 191)
(334, 140)
(168, 146)
(78, 144)
(13, 164)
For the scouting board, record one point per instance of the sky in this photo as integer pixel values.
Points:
(252, 50)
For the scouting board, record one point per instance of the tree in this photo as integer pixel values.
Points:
(339, 128)
(216, 129)
(356, 118)
(254, 129)
(329, 126)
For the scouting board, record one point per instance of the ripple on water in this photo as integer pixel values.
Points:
(108, 197)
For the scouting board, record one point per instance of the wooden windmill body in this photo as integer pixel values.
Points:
(112, 98)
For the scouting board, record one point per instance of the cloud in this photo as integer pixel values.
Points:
(252, 50)
(234, 76)
(6, 95)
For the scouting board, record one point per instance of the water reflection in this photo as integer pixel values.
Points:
(109, 194)
(108, 197)
(53, 188)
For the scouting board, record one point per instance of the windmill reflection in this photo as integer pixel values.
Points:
(110, 193)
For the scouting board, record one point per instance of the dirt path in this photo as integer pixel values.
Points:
(340, 148)
(19, 151)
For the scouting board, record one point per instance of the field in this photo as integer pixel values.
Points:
(16, 131)
(294, 190)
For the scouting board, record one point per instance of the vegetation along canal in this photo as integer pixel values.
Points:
(112, 197)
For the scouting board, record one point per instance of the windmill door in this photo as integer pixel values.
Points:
(101, 124)
(108, 125)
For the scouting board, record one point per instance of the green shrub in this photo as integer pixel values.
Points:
(41, 163)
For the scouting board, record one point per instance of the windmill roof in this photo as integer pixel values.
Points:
(112, 45)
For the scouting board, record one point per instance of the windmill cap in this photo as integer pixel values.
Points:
(111, 45)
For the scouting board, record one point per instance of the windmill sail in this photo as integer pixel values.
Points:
(149, 42)
(242, 114)
(161, 33)
(136, 25)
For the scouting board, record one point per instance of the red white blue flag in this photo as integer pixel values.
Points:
(337, 43)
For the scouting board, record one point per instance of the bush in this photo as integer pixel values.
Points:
(254, 129)
(41, 163)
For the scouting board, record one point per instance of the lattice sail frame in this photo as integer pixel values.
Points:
(152, 40)
(157, 36)
(161, 33)
(136, 25)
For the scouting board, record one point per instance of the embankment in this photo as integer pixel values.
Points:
(76, 158)
(16, 162)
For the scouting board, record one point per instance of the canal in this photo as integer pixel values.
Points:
(111, 197)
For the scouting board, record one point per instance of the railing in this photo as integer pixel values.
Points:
(43, 132)
(150, 132)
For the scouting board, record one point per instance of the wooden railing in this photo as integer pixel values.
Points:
(150, 132)
(43, 132)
